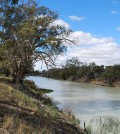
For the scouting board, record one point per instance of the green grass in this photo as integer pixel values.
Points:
(5, 79)
(35, 88)
(25, 109)
(16, 97)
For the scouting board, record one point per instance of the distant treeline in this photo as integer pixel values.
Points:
(74, 70)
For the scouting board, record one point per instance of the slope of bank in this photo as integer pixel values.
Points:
(99, 82)
(26, 109)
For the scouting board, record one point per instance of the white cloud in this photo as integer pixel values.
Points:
(101, 54)
(40, 66)
(76, 18)
(88, 48)
(81, 37)
(118, 28)
(114, 12)
(60, 22)
(103, 51)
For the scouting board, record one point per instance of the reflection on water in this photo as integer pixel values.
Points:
(85, 100)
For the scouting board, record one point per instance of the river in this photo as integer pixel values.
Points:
(84, 100)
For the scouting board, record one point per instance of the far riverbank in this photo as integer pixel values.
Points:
(97, 82)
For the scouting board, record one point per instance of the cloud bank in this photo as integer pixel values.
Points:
(89, 48)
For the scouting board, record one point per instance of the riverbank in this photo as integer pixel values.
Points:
(100, 82)
(97, 82)
(26, 109)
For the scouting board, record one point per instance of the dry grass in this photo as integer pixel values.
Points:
(13, 96)
(35, 88)
(68, 115)
(5, 79)
(23, 111)
(104, 125)
(8, 123)
(13, 125)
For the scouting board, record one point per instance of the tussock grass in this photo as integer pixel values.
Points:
(36, 89)
(25, 110)
(71, 117)
(5, 79)
(16, 97)
(12, 124)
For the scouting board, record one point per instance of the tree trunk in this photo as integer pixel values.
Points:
(7, 72)
(18, 78)
(19, 74)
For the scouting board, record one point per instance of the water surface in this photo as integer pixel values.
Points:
(84, 100)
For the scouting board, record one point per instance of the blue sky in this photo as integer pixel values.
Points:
(102, 17)
(96, 25)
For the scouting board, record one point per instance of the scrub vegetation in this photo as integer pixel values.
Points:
(78, 71)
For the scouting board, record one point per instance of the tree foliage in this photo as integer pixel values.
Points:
(28, 36)
(76, 70)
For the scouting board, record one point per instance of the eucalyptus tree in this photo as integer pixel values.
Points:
(72, 66)
(28, 35)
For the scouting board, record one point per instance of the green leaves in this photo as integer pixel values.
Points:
(28, 36)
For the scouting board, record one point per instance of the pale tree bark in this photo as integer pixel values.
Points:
(19, 73)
